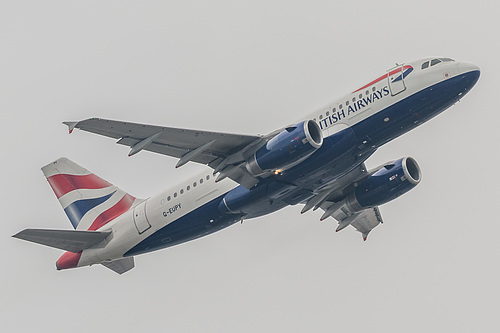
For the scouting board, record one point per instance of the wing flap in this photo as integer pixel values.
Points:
(68, 240)
(120, 266)
(364, 221)
(367, 221)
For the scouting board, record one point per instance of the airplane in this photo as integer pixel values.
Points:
(318, 161)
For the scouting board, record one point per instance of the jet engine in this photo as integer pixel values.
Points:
(385, 184)
(286, 149)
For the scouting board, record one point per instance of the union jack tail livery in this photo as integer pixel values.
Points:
(89, 201)
(90, 204)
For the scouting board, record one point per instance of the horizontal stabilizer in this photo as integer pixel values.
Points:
(69, 240)
(120, 266)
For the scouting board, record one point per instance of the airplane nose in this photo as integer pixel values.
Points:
(468, 75)
(467, 67)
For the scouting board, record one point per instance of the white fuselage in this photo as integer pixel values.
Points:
(157, 212)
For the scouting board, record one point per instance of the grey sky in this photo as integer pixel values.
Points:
(248, 67)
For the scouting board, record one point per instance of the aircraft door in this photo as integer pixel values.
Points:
(140, 218)
(396, 80)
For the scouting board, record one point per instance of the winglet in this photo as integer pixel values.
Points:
(71, 125)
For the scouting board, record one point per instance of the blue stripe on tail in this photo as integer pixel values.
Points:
(79, 208)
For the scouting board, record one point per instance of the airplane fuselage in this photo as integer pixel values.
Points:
(353, 127)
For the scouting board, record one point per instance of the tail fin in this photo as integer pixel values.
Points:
(89, 201)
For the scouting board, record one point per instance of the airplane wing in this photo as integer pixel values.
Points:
(221, 151)
(331, 200)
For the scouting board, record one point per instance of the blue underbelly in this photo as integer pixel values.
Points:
(198, 223)
(340, 153)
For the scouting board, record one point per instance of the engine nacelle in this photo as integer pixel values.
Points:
(386, 184)
(286, 149)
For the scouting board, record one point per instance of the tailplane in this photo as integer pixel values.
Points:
(74, 242)
(69, 240)
(89, 201)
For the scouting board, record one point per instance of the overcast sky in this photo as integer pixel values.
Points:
(248, 67)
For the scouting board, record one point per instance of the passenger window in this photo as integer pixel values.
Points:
(354, 99)
(168, 198)
(208, 177)
(333, 110)
(373, 89)
(367, 92)
(194, 184)
(182, 191)
(188, 188)
(346, 103)
(175, 195)
(435, 62)
(320, 116)
(340, 106)
(201, 180)
(360, 96)
(327, 113)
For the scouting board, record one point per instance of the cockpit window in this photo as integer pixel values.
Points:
(435, 62)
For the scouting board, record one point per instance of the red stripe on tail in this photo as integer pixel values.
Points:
(121, 207)
(62, 183)
(68, 260)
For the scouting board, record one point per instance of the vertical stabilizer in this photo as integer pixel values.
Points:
(89, 201)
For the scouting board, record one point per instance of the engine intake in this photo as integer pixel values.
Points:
(286, 149)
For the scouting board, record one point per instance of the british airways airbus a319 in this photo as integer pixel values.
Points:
(317, 162)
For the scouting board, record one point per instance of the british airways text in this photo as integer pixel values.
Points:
(356, 106)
